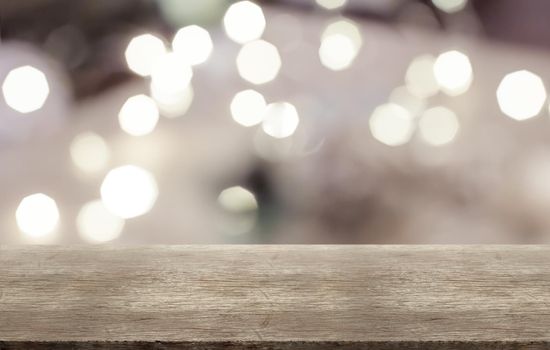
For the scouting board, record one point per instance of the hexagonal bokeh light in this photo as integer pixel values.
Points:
(258, 62)
(247, 107)
(521, 95)
(453, 72)
(37, 215)
(193, 43)
(129, 191)
(142, 51)
(244, 21)
(391, 124)
(280, 120)
(420, 78)
(25, 89)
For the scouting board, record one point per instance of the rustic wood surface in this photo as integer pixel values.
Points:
(275, 297)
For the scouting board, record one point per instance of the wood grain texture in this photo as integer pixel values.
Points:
(275, 297)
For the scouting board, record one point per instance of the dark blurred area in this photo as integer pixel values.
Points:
(291, 121)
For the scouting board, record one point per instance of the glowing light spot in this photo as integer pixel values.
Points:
(420, 79)
(244, 21)
(391, 124)
(37, 215)
(337, 52)
(521, 95)
(139, 115)
(248, 107)
(193, 43)
(450, 6)
(438, 126)
(347, 28)
(25, 89)
(403, 97)
(129, 191)
(258, 62)
(280, 120)
(171, 74)
(89, 152)
(237, 199)
(172, 104)
(96, 224)
(453, 72)
(142, 51)
(331, 4)
(242, 206)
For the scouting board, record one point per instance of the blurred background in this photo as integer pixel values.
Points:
(289, 121)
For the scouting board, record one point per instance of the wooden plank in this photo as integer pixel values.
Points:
(275, 297)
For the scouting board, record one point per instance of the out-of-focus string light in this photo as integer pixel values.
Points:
(25, 89)
(280, 120)
(193, 43)
(391, 124)
(89, 152)
(96, 224)
(521, 95)
(258, 62)
(171, 85)
(172, 104)
(237, 199)
(403, 97)
(420, 79)
(242, 204)
(129, 191)
(345, 27)
(453, 72)
(171, 73)
(37, 215)
(337, 51)
(438, 126)
(139, 115)
(248, 107)
(244, 21)
(331, 4)
(142, 51)
(450, 6)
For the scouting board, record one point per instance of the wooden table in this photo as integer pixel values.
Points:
(275, 297)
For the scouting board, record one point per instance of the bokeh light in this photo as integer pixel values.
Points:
(96, 224)
(438, 126)
(391, 124)
(241, 204)
(244, 21)
(331, 4)
(175, 103)
(171, 85)
(193, 43)
(280, 120)
(450, 6)
(248, 107)
(37, 215)
(337, 51)
(171, 73)
(89, 152)
(142, 51)
(139, 115)
(258, 62)
(521, 95)
(345, 27)
(237, 199)
(403, 97)
(25, 89)
(453, 72)
(129, 191)
(420, 78)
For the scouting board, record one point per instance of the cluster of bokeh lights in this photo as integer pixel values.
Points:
(129, 191)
